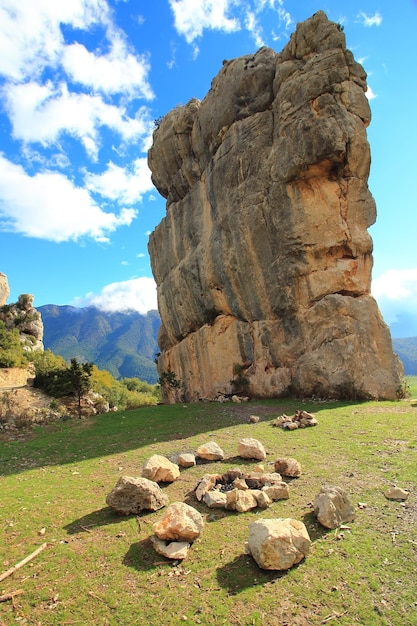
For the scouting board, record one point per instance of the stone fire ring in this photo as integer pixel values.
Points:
(238, 491)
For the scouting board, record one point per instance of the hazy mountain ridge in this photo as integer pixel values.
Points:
(406, 348)
(124, 343)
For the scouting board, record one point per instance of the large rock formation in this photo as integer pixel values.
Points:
(263, 261)
(21, 315)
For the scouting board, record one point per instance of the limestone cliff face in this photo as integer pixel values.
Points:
(264, 259)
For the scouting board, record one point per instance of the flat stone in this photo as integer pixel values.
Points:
(210, 451)
(186, 460)
(177, 550)
(396, 493)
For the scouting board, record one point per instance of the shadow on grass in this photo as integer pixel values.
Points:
(102, 517)
(243, 573)
(314, 528)
(76, 440)
(141, 556)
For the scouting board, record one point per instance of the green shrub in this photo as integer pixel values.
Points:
(240, 382)
(128, 393)
(50, 373)
(12, 353)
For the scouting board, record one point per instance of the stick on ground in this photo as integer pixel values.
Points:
(31, 556)
(10, 595)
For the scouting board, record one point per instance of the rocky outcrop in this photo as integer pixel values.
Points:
(263, 261)
(4, 289)
(21, 315)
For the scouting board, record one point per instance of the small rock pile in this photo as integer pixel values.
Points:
(300, 419)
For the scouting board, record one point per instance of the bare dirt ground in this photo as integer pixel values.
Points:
(25, 398)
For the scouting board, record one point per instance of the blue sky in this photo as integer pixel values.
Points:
(81, 83)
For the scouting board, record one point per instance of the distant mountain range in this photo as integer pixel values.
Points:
(124, 343)
(407, 351)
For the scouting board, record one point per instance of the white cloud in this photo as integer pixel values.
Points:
(370, 20)
(30, 33)
(284, 16)
(370, 94)
(137, 294)
(193, 16)
(41, 113)
(253, 26)
(396, 294)
(49, 206)
(32, 46)
(119, 71)
(124, 185)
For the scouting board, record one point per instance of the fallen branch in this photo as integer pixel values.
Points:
(10, 595)
(333, 615)
(14, 569)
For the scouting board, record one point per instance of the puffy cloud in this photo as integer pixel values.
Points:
(137, 294)
(124, 185)
(32, 46)
(31, 36)
(370, 20)
(193, 16)
(49, 206)
(396, 294)
(40, 113)
(119, 71)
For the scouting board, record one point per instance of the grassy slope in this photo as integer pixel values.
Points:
(101, 569)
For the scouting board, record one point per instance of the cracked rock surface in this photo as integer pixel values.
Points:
(264, 257)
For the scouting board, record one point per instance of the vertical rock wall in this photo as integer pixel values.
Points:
(263, 261)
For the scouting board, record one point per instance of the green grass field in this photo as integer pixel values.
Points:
(101, 569)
